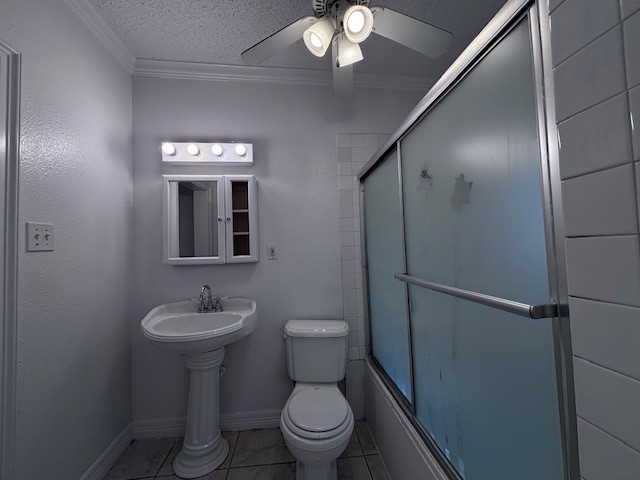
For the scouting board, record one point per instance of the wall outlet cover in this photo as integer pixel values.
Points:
(39, 237)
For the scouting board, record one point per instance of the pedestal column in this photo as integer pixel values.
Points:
(204, 449)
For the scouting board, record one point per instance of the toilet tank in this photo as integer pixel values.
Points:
(316, 350)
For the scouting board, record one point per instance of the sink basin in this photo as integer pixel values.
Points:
(178, 327)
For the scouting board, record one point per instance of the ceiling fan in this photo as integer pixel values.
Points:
(343, 25)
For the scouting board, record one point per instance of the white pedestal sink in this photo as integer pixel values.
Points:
(201, 337)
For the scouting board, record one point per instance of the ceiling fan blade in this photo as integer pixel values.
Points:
(342, 77)
(410, 32)
(280, 40)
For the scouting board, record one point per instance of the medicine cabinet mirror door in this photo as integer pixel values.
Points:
(194, 219)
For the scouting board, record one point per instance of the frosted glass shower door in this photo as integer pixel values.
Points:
(385, 254)
(485, 380)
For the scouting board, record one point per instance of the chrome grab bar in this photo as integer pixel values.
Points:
(529, 311)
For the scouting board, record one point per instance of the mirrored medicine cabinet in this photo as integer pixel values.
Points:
(210, 219)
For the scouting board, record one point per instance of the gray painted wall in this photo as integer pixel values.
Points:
(74, 360)
(293, 130)
(596, 53)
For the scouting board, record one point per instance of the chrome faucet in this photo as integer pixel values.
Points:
(205, 307)
(209, 304)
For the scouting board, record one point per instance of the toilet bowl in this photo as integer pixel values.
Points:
(316, 421)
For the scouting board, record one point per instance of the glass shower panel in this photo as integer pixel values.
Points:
(385, 256)
(485, 380)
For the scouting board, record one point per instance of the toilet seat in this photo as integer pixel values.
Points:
(317, 413)
(317, 409)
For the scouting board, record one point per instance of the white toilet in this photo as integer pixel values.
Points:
(316, 421)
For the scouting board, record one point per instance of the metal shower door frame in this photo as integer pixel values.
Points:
(536, 12)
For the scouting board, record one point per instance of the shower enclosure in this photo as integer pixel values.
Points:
(464, 267)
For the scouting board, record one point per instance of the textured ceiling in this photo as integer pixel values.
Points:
(217, 31)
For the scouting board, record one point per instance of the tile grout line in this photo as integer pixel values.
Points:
(365, 455)
(600, 235)
(591, 42)
(175, 444)
(629, 15)
(232, 454)
(586, 109)
(608, 433)
(608, 369)
(608, 302)
(599, 170)
(612, 370)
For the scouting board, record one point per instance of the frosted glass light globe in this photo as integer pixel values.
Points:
(241, 150)
(216, 150)
(193, 149)
(169, 149)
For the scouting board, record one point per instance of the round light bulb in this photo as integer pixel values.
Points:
(241, 150)
(315, 40)
(169, 149)
(216, 149)
(356, 22)
(193, 149)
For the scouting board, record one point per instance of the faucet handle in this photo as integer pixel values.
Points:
(217, 307)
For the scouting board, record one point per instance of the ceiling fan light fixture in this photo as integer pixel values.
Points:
(318, 36)
(348, 52)
(358, 23)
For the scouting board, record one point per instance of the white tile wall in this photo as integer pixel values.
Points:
(605, 268)
(608, 398)
(354, 151)
(597, 59)
(603, 454)
(601, 203)
(632, 49)
(581, 23)
(594, 74)
(606, 334)
(634, 105)
(596, 139)
(629, 7)
(637, 166)
(553, 4)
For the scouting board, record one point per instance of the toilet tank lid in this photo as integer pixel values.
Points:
(316, 328)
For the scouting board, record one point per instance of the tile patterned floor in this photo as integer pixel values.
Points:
(253, 455)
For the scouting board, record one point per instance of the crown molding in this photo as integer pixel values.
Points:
(279, 76)
(87, 13)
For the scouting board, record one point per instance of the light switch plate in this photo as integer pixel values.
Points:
(39, 237)
(271, 251)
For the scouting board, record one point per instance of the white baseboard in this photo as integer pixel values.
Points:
(103, 464)
(159, 427)
(250, 420)
(175, 426)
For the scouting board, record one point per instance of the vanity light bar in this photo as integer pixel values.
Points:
(198, 153)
